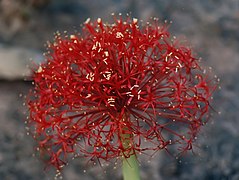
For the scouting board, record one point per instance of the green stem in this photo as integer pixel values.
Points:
(131, 168)
(130, 164)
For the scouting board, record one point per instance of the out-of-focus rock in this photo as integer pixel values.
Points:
(15, 62)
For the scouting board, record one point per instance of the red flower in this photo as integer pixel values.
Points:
(116, 83)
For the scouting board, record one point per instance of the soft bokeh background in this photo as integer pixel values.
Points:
(211, 26)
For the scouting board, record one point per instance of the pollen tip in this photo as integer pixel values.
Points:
(87, 21)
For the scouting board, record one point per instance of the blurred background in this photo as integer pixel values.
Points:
(212, 28)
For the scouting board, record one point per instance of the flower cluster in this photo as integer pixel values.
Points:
(117, 83)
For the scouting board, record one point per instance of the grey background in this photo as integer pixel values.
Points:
(212, 28)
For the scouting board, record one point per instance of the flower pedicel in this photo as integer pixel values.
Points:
(104, 92)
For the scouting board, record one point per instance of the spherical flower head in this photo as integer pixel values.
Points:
(103, 93)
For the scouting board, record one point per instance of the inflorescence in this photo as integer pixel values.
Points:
(114, 79)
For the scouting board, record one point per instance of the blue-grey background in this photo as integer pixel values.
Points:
(212, 28)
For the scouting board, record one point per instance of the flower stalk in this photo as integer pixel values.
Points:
(130, 168)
